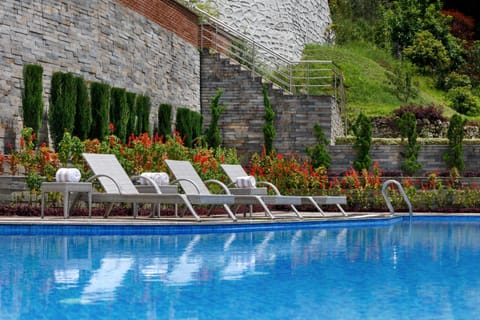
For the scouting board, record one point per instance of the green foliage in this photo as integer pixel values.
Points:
(119, 112)
(212, 135)
(143, 113)
(196, 120)
(362, 129)
(63, 101)
(408, 129)
(319, 153)
(184, 126)
(268, 128)
(132, 113)
(428, 53)
(32, 100)
(165, 120)
(83, 113)
(463, 101)
(100, 97)
(70, 149)
(455, 135)
(402, 80)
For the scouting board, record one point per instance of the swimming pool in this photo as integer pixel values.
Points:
(424, 270)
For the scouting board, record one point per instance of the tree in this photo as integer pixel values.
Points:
(119, 112)
(455, 135)
(100, 94)
(132, 113)
(83, 113)
(63, 101)
(362, 129)
(165, 120)
(318, 153)
(32, 100)
(213, 136)
(408, 129)
(268, 128)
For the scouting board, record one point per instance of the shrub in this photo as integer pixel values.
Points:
(196, 120)
(455, 135)
(428, 53)
(165, 120)
(32, 100)
(268, 128)
(362, 129)
(63, 100)
(83, 113)
(143, 112)
(212, 135)
(119, 112)
(318, 153)
(132, 113)
(463, 101)
(184, 126)
(100, 94)
(431, 112)
(402, 80)
(408, 129)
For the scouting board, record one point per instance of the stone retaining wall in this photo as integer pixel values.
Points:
(242, 122)
(100, 40)
(389, 157)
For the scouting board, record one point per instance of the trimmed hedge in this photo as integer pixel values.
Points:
(100, 93)
(32, 100)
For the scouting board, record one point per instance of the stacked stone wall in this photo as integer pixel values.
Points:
(100, 40)
(242, 122)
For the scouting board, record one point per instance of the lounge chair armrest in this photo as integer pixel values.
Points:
(104, 176)
(188, 180)
(221, 184)
(271, 185)
(150, 181)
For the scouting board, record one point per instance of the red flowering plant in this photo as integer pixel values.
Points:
(291, 174)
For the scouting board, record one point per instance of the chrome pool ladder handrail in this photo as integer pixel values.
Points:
(402, 192)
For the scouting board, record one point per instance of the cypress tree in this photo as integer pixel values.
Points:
(119, 112)
(63, 100)
(143, 113)
(184, 126)
(362, 129)
(213, 136)
(83, 114)
(132, 113)
(32, 101)
(455, 135)
(100, 95)
(165, 120)
(268, 128)
(196, 122)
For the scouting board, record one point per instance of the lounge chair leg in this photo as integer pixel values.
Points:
(230, 213)
(296, 211)
(189, 206)
(265, 208)
(315, 204)
(341, 209)
(109, 209)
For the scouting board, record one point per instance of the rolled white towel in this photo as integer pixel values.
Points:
(246, 182)
(160, 178)
(68, 175)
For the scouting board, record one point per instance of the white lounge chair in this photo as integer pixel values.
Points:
(236, 171)
(191, 183)
(119, 187)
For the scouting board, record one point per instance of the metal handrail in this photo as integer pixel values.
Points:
(297, 77)
(402, 192)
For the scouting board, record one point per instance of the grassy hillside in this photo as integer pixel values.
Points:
(367, 86)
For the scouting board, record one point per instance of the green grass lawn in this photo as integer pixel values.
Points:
(368, 89)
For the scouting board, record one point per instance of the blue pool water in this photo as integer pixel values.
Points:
(423, 270)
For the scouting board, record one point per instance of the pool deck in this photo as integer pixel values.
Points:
(257, 218)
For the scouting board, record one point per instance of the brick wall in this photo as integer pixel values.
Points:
(170, 15)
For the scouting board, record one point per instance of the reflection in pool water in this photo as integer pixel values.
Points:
(426, 270)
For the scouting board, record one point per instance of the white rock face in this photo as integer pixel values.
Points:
(283, 26)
